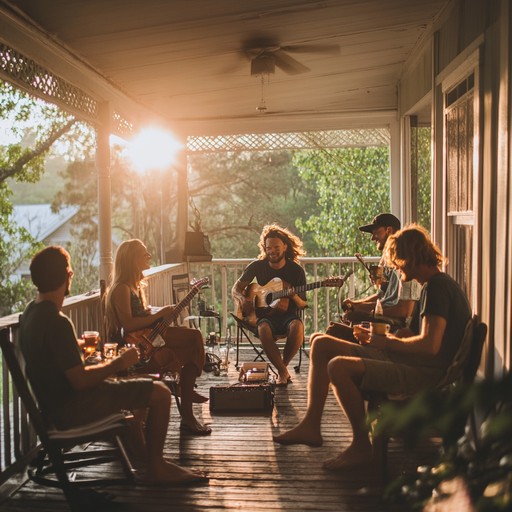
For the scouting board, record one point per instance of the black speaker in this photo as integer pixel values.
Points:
(197, 245)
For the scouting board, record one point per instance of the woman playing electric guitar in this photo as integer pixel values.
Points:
(182, 348)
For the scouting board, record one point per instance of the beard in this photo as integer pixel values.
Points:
(278, 258)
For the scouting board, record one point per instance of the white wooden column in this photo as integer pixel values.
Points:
(394, 175)
(182, 210)
(104, 192)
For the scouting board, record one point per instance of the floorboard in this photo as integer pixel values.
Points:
(247, 470)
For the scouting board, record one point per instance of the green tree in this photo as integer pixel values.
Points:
(421, 149)
(352, 186)
(33, 127)
(236, 194)
(135, 210)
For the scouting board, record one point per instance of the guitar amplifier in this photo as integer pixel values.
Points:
(242, 397)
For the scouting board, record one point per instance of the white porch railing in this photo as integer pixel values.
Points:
(323, 302)
(17, 438)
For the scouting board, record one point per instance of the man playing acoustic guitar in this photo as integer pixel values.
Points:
(279, 253)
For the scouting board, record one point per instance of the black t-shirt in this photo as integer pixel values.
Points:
(442, 296)
(292, 274)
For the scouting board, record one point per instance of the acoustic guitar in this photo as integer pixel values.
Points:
(273, 297)
(150, 339)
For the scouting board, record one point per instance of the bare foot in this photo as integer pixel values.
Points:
(283, 382)
(168, 473)
(300, 435)
(199, 399)
(196, 397)
(353, 457)
(283, 379)
(195, 428)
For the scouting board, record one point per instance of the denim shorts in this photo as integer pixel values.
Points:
(279, 323)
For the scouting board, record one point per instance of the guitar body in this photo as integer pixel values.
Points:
(264, 301)
(260, 302)
(150, 339)
(140, 339)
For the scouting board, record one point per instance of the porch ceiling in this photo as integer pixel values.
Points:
(183, 59)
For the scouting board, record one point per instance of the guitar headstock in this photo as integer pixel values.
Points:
(200, 283)
(337, 281)
(334, 281)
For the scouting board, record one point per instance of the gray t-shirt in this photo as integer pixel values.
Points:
(397, 289)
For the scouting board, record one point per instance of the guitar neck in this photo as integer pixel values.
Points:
(165, 323)
(297, 289)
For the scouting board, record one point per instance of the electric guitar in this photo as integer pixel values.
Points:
(266, 300)
(150, 339)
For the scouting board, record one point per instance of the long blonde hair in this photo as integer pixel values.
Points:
(125, 272)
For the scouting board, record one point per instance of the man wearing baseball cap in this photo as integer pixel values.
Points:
(397, 298)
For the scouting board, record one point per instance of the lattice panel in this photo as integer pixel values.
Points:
(281, 141)
(33, 78)
(121, 126)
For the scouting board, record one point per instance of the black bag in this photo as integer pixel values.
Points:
(212, 363)
(242, 397)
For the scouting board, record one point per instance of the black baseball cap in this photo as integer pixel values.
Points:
(383, 220)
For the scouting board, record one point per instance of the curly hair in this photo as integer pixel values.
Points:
(412, 246)
(294, 248)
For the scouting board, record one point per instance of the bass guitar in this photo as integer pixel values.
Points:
(150, 339)
(266, 300)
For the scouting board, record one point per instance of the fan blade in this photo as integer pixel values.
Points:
(289, 64)
(328, 49)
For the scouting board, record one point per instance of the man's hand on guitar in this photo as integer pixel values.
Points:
(347, 305)
(301, 303)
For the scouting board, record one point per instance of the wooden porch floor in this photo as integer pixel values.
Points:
(247, 470)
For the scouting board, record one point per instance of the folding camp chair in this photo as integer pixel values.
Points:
(249, 332)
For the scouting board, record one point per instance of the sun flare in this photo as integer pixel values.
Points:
(152, 149)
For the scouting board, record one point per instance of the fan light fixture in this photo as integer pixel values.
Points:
(263, 66)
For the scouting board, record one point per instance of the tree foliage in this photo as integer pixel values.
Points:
(421, 149)
(352, 186)
(238, 193)
(33, 127)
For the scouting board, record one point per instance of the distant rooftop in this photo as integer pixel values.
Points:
(40, 221)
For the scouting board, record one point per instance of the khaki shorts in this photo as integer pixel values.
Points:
(107, 398)
(393, 373)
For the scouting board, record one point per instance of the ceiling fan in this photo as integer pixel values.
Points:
(265, 54)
